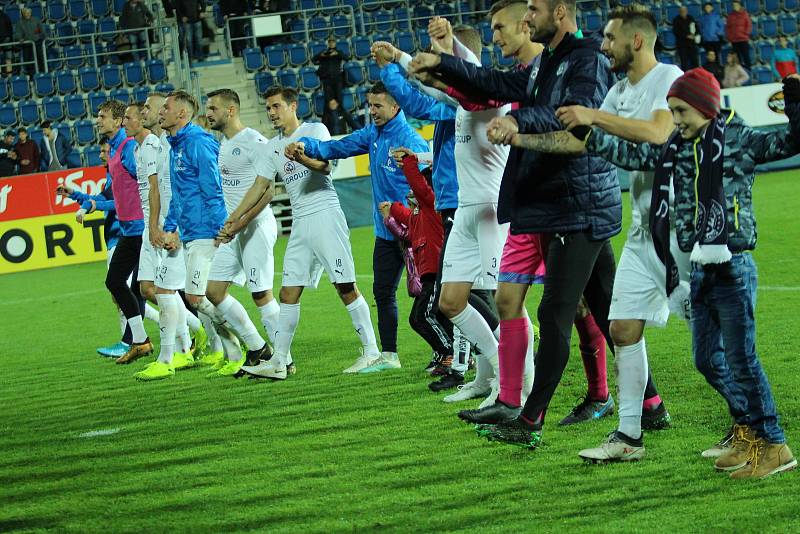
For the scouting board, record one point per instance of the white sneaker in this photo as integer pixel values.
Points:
(492, 398)
(387, 360)
(362, 362)
(266, 369)
(470, 390)
(614, 449)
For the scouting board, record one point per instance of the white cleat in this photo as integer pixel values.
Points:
(362, 362)
(492, 398)
(615, 449)
(266, 369)
(470, 390)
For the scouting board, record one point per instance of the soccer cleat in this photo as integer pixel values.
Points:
(490, 415)
(433, 363)
(588, 410)
(230, 368)
(448, 381)
(183, 360)
(766, 459)
(252, 357)
(443, 367)
(721, 447)
(386, 361)
(740, 452)
(268, 369)
(515, 432)
(470, 390)
(492, 397)
(114, 351)
(656, 419)
(362, 362)
(199, 342)
(136, 351)
(618, 447)
(155, 371)
(212, 358)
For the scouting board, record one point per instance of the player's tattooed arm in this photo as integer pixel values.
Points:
(562, 142)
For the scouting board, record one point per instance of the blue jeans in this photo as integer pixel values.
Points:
(723, 315)
(192, 33)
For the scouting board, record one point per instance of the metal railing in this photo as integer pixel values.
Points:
(14, 50)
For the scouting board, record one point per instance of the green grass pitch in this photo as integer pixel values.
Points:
(325, 452)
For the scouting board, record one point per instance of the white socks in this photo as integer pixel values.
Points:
(288, 319)
(269, 318)
(150, 313)
(359, 314)
(191, 321)
(168, 322)
(230, 344)
(474, 327)
(214, 342)
(631, 364)
(182, 339)
(137, 329)
(233, 312)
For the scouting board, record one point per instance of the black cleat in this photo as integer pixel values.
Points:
(515, 432)
(254, 356)
(656, 419)
(448, 381)
(589, 410)
(433, 363)
(491, 415)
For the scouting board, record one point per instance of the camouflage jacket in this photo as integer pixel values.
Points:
(745, 148)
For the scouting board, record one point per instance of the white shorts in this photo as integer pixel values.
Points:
(319, 241)
(640, 282)
(171, 272)
(249, 257)
(199, 255)
(474, 247)
(149, 260)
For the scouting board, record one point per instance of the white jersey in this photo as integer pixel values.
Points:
(164, 184)
(479, 163)
(241, 159)
(146, 155)
(640, 101)
(309, 191)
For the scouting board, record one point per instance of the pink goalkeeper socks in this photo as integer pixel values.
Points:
(593, 354)
(513, 346)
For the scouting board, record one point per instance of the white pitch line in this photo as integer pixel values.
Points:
(98, 433)
(779, 288)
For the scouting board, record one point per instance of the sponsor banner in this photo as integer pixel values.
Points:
(757, 105)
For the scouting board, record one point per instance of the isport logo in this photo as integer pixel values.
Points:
(75, 181)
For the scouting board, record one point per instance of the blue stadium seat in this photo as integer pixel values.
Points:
(85, 28)
(287, 78)
(94, 99)
(666, 58)
(667, 38)
(3, 89)
(276, 56)
(341, 26)
(8, 115)
(84, 132)
(485, 29)
(405, 41)
(298, 55)
(64, 130)
(44, 84)
(264, 80)
(134, 73)
(361, 96)
(315, 47)
(671, 11)
(65, 82)
(761, 74)
(13, 12)
(772, 6)
(297, 30)
(156, 71)
(303, 106)
(343, 46)
(329, 5)
(309, 81)
(422, 15)
(92, 156)
(443, 9)
(318, 27)
(765, 51)
(361, 46)
(53, 108)
(99, 8)
(791, 5)
(353, 73)
(308, 5)
(382, 22)
(487, 58)
(122, 94)
(318, 103)
(107, 26)
(78, 9)
(74, 56)
(89, 79)
(55, 61)
(788, 25)
(165, 88)
(20, 87)
(56, 11)
(402, 19)
(253, 59)
(76, 107)
(117, 5)
(593, 21)
(349, 99)
(28, 112)
(74, 159)
(423, 39)
(37, 10)
(66, 33)
(35, 134)
(768, 27)
(752, 6)
(695, 9)
(373, 71)
(140, 94)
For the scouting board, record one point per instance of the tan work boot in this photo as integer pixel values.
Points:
(767, 459)
(739, 454)
(136, 351)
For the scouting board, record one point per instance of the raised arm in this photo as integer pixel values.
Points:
(412, 101)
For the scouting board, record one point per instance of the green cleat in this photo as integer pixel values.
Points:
(183, 360)
(229, 368)
(155, 371)
(200, 342)
(214, 359)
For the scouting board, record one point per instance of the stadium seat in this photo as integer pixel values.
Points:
(94, 99)
(156, 71)
(20, 87)
(44, 84)
(35, 133)
(276, 56)
(56, 11)
(485, 29)
(55, 61)
(308, 5)
(329, 5)
(65, 82)
(318, 27)
(593, 21)
(353, 73)
(253, 59)
(8, 115)
(315, 47)
(13, 12)
(303, 106)
(772, 6)
(117, 6)
(298, 55)
(165, 88)
(349, 99)
(92, 156)
(28, 112)
(362, 46)
(753, 6)
(788, 25)
(343, 46)
(297, 31)
(761, 74)
(341, 26)
(89, 79)
(65, 32)
(264, 80)
(76, 107)
(767, 27)
(765, 51)
(671, 11)
(107, 28)
(122, 94)
(402, 19)
(791, 5)
(85, 28)
(287, 78)
(423, 39)
(422, 15)
(373, 71)
(99, 8)
(318, 103)
(309, 81)
(53, 108)
(405, 41)
(3, 89)
(443, 9)
(140, 94)
(74, 56)
(37, 10)
(74, 159)
(666, 58)
(84, 132)
(361, 96)
(134, 73)
(78, 9)
(381, 22)
(667, 38)
(64, 130)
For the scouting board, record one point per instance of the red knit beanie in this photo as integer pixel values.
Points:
(700, 89)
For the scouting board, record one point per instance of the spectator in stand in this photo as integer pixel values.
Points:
(712, 65)
(236, 8)
(735, 75)
(27, 153)
(189, 14)
(6, 38)
(29, 28)
(737, 28)
(53, 148)
(712, 29)
(330, 70)
(337, 119)
(685, 29)
(784, 60)
(8, 158)
(136, 16)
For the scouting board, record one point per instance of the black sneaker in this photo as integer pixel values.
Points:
(491, 415)
(588, 410)
(433, 363)
(449, 380)
(656, 419)
(515, 432)
(254, 356)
